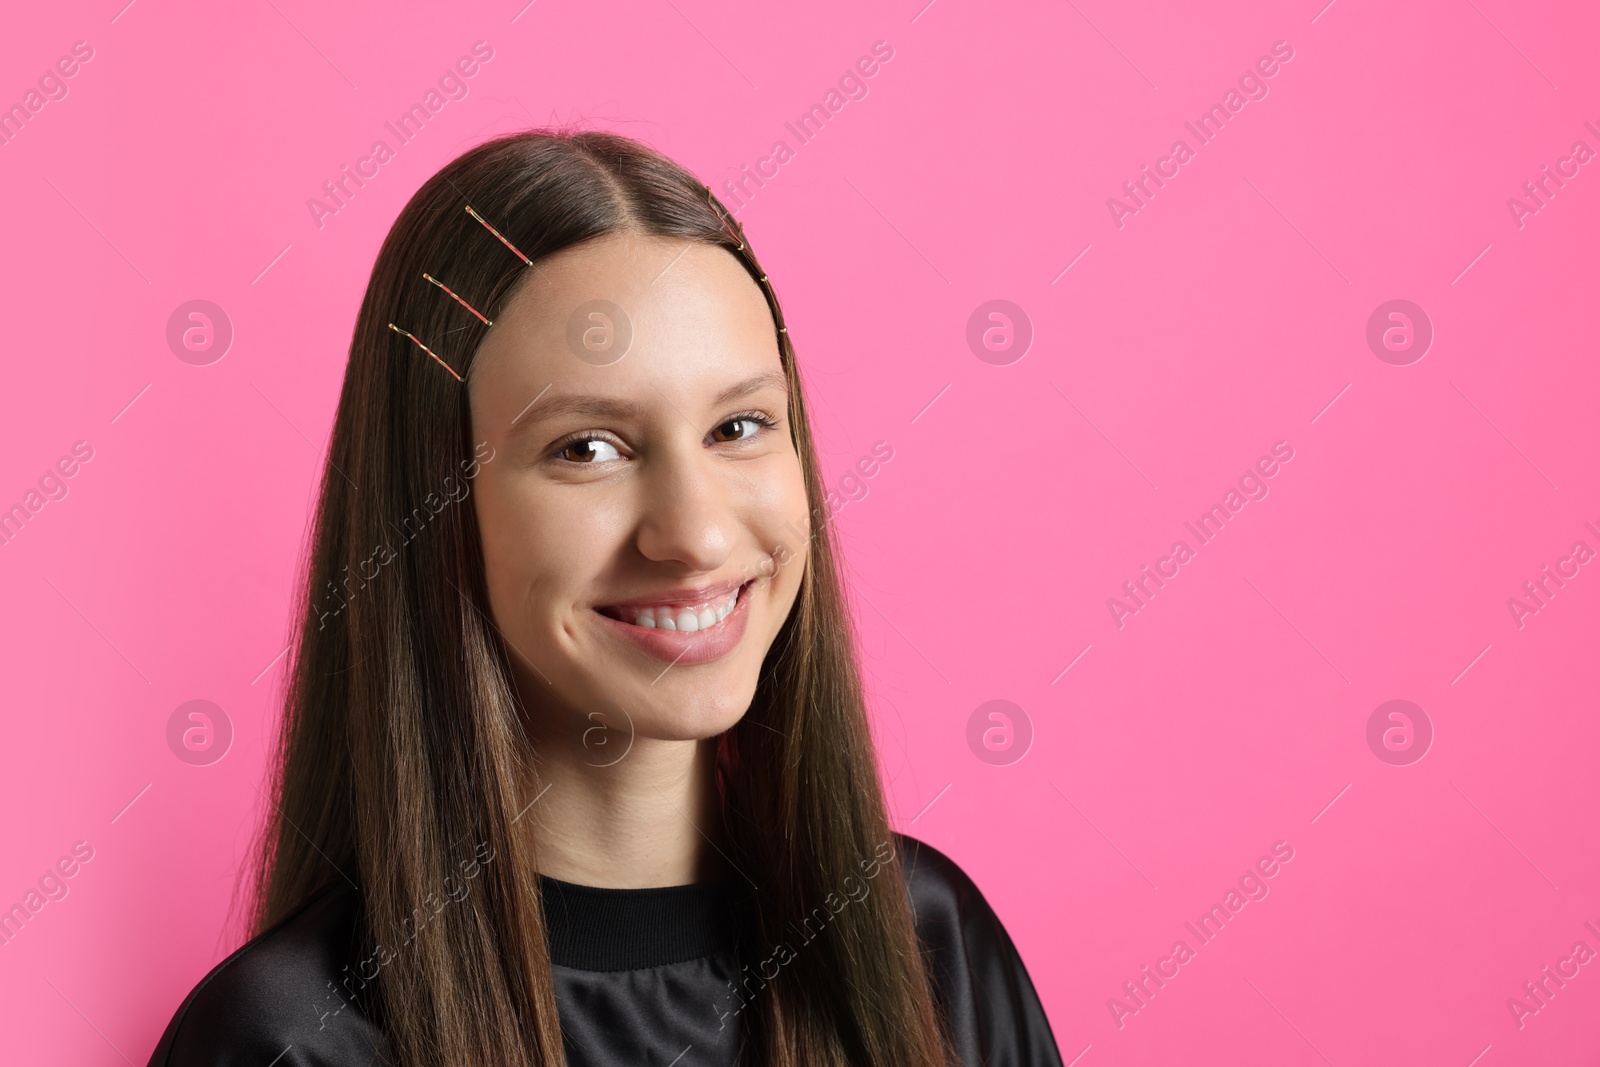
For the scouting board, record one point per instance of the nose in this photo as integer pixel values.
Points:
(688, 514)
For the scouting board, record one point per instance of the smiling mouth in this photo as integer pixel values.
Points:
(683, 618)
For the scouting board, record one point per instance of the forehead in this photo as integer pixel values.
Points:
(692, 317)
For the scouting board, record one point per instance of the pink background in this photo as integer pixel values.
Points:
(1229, 313)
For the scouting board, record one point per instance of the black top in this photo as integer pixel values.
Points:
(642, 977)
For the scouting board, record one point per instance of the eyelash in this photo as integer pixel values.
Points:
(760, 418)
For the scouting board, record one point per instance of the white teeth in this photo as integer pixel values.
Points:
(688, 619)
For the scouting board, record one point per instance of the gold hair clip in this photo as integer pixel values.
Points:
(497, 233)
(724, 219)
(457, 299)
(428, 350)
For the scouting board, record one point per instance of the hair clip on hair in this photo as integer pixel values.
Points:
(428, 350)
(481, 317)
(497, 233)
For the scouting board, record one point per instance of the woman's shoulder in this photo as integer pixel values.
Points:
(940, 889)
(279, 999)
(982, 984)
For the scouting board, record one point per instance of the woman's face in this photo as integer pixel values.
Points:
(644, 518)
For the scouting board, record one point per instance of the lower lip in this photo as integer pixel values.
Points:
(683, 647)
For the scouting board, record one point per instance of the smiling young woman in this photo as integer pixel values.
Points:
(583, 775)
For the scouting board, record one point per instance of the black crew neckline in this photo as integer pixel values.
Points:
(596, 928)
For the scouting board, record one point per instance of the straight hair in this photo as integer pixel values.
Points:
(403, 753)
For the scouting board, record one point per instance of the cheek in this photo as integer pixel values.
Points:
(540, 549)
(783, 519)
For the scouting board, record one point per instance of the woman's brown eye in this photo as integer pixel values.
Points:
(589, 450)
(735, 434)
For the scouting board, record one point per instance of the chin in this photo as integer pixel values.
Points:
(691, 712)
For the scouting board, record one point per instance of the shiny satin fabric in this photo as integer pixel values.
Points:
(642, 977)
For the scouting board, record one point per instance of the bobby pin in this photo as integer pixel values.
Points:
(428, 350)
(497, 233)
(724, 220)
(457, 299)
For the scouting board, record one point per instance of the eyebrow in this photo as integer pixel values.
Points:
(604, 407)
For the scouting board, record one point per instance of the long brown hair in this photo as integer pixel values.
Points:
(403, 754)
